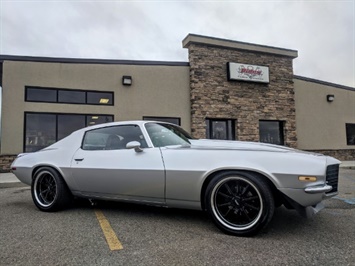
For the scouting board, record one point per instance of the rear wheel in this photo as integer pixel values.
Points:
(239, 203)
(49, 191)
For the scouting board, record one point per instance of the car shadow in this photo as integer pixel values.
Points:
(283, 223)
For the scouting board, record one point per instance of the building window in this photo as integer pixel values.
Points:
(66, 96)
(220, 129)
(43, 129)
(51, 95)
(67, 124)
(173, 120)
(350, 134)
(100, 98)
(271, 132)
(40, 95)
(40, 131)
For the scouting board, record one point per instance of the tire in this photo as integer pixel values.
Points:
(239, 203)
(49, 191)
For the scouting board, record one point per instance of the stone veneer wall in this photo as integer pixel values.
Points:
(342, 155)
(5, 162)
(213, 96)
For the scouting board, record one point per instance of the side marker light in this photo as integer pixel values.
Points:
(307, 178)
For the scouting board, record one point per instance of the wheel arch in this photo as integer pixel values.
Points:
(35, 169)
(210, 177)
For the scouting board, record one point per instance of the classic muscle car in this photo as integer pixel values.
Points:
(238, 183)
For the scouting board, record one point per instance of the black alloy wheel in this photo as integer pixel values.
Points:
(240, 203)
(49, 191)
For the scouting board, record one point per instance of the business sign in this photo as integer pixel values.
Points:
(245, 72)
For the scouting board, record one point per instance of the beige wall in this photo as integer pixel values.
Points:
(156, 91)
(320, 124)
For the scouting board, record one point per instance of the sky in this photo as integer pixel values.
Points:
(323, 32)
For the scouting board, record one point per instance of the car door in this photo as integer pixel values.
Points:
(104, 167)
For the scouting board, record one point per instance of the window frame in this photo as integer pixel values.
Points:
(231, 132)
(27, 88)
(281, 131)
(144, 146)
(57, 90)
(348, 125)
(56, 122)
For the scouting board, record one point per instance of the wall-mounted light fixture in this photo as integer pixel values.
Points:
(330, 98)
(127, 80)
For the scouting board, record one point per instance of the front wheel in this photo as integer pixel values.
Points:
(49, 191)
(239, 203)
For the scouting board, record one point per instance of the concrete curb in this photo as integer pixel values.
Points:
(348, 165)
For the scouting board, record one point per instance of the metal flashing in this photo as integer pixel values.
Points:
(326, 83)
(237, 45)
(89, 61)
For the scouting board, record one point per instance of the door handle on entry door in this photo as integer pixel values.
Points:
(79, 159)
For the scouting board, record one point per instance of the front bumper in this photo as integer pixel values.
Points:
(310, 211)
(318, 189)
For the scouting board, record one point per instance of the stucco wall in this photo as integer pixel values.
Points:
(156, 91)
(321, 124)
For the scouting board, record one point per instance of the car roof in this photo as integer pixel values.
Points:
(110, 124)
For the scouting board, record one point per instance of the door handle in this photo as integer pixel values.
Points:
(79, 159)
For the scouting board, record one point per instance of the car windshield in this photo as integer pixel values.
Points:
(163, 135)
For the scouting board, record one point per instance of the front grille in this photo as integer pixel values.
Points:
(332, 177)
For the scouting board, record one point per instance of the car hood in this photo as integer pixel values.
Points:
(242, 145)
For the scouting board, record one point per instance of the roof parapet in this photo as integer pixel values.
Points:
(230, 44)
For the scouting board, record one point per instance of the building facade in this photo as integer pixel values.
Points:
(227, 90)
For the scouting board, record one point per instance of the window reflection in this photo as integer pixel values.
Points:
(350, 134)
(68, 124)
(220, 129)
(41, 95)
(173, 120)
(44, 129)
(163, 135)
(100, 98)
(34, 94)
(113, 138)
(98, 119)
(40, 131)
(271, 132)
(66, 96)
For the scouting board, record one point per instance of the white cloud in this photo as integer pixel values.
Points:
(322, 32)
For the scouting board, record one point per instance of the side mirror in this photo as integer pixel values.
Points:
(134, 145)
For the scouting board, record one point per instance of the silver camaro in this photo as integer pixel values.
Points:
(238, 183)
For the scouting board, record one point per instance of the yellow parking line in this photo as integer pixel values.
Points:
(111, 238)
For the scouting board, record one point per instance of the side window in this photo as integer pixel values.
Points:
(113, 138)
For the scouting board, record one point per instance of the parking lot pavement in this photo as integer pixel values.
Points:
(159, 236)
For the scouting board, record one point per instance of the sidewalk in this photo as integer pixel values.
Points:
(348, 164)
(8, 178)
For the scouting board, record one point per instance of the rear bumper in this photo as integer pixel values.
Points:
(23, 174)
